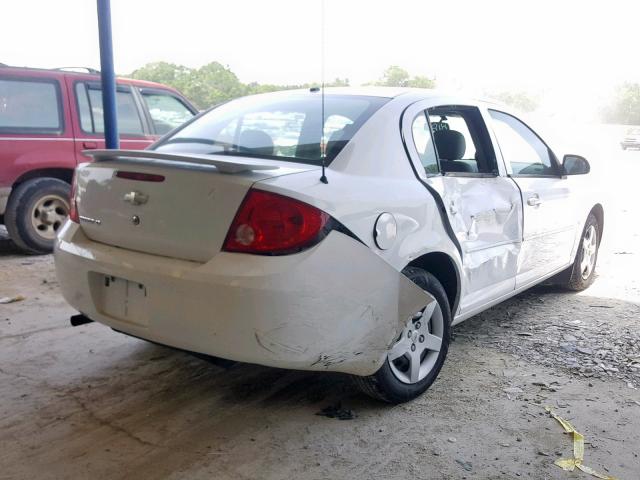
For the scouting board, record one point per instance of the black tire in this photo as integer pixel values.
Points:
(384, 385)
(21, 208)
(577, 281)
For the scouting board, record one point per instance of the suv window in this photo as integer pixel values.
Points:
(30, 106)
(421, 132)
(462, 140)
(90, 110)
(167, 112)
(521, 147)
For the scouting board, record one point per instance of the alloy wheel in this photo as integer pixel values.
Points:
(589, 251)
(416, 351)
(48, 215)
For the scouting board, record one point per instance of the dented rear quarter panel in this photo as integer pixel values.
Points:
(296, 318)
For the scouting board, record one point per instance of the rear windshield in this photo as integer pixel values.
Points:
(284, 127)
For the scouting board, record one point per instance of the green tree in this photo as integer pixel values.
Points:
(625, 106)
(422, 82)
(170, 74)
(339, 82)
(211, 84)
(255, 87)
(519, 100)
(395, 76)
(208, 85)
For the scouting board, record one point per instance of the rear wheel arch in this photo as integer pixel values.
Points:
(64, 174)
(444, 268)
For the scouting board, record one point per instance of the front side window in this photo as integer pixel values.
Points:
(91, 112)
(421, 132)
(167, 112)
(521, 147)
(281, 126)
(29, 106)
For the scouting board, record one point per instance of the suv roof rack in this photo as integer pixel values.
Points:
(77, 69)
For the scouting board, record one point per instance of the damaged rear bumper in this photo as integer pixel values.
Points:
(336, 307)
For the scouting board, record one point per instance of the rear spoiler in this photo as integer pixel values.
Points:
(223, 164)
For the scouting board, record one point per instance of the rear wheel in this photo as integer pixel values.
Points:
(37, 209)
(583, 271)
(415, 359)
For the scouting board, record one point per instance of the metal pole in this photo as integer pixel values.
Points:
(107, 75)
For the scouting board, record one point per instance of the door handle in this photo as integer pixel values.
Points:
(534, 200)
(89, 145)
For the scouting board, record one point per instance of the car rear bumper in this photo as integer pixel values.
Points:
(337, 306)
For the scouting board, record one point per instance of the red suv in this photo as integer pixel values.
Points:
(47, 118)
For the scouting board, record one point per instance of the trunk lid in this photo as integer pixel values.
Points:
(182, 211)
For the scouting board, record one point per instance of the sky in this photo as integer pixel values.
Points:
(572, 52)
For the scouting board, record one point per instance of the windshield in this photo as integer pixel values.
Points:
(280, 126)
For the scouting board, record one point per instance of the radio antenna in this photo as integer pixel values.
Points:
(323, 146)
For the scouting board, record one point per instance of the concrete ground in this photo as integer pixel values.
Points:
(87, 402)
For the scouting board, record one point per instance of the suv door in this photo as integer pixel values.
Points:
(89, 124)
(482, 204)
(34, 126)
(549, 229)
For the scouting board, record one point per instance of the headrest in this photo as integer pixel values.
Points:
(256, 141)
(451, 144)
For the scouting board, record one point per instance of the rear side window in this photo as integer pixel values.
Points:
(521, 147)
(423, 141)
(166, 111)
(30, 106)
(280, 126)
(462, 140)
(91, 114)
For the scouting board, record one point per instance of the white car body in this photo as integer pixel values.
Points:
(340, 304)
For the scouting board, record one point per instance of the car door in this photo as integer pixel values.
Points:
(549, 227)
(133, 127)
(483, 206)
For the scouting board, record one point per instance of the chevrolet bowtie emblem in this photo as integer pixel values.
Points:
(136, 198)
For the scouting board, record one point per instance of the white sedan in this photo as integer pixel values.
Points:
(229, 238)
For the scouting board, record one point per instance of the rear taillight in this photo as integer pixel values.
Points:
(270, 224)
(73, 205)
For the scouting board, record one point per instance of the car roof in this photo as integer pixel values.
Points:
(403, 94)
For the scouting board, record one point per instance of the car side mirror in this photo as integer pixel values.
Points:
(575, 165)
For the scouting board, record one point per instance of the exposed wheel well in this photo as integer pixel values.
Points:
(598, 211)
(442, 266)
(64, 174)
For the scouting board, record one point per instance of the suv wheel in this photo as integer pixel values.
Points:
(415, 359)
(37, 209)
